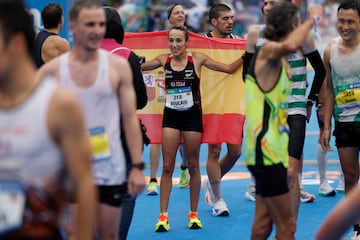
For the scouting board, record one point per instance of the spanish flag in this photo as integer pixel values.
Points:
(222, 95)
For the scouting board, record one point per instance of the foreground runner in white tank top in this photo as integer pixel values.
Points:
(103, 82)
(43, 148)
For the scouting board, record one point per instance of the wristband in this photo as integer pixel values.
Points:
(139, 166)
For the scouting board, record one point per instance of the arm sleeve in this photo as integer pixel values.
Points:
(139, 85)
(247, 60)
(319, 76)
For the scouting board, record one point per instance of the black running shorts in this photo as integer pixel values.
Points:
(112, 195)
(347, 134)
(271, 180)
(187, 120)
(297, 126)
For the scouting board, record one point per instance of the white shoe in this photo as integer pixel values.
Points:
(220, 208)
(251, 194)
(209, 195)
(341, 185)
(306, 197)
(354, 236)
(326, 190)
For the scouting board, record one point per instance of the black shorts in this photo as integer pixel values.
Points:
(347, 134)
(271, 180)
(297, 126)
(187, 120)
(112, 195)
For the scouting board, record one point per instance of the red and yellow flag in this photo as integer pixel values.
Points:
(223, 97)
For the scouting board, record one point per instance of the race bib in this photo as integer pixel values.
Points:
(351, 94)
(12, 199)
(99, 143)
(179, 98)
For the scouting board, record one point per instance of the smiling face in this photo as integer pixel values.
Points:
(348, 24)
(89, 28)
(177, 16)
(177, 42)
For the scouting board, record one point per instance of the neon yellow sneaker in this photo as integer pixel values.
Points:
(194, 221)
(163, 224)
(152, 189)
(184, 178)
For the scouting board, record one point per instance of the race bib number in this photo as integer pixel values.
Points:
(179, 98)
(351, 94)
(99, 143)
(12, 199)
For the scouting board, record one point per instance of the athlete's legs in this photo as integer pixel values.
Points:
(108, 222)
(184, 160)
(184, 173)
(294, 185)
(213, 169)
(281, 213)
(322, 158)
(349, 160)
(273, 210)
(262, 224)
(350, 166)
(170, 144)
(297, 125)
(229, 160)
(155, 150)
(192, 141)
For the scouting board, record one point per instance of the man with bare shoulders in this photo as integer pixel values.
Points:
(300, 107)
(342, 100)
(267, 90)
(221, 19)
(48, 43)
(44, 149)
(103, 82)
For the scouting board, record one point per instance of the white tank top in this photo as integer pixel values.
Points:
(27, 152)
(345, 76)
(102, 117)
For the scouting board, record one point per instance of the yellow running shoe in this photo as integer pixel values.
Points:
(184, 178)
(194, 221)
(152, 189)
(163, 224)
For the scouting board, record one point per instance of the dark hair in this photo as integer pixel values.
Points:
(114, 28)
(51, 15)
(14, 18)
(280, 20)
(350, 4)
(181, 28)
(215, 10)
(81, 4)
(170, 9)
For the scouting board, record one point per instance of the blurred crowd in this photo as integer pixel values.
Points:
(150, 15)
